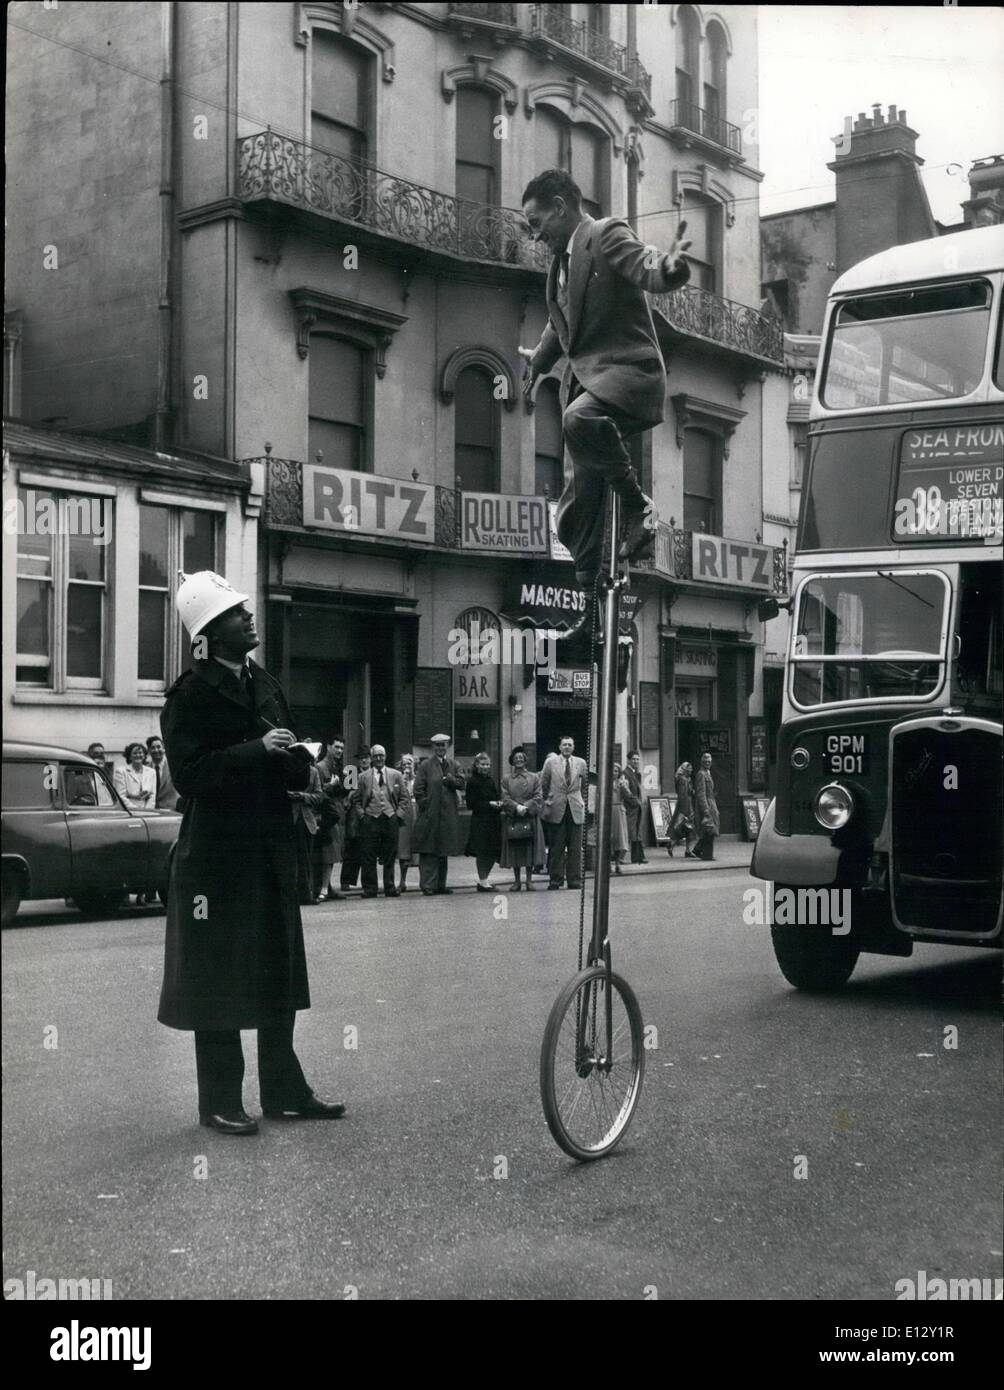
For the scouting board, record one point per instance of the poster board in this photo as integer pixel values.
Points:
(751, 816)
(433, 711)
(758, 754)
(648, 708)
(763, 802)
(662, 810)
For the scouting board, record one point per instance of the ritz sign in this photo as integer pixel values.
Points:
(340, 499)
(740, 564)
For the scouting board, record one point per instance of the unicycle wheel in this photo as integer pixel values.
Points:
(589, 1093)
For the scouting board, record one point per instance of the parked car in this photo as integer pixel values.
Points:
(67, 834)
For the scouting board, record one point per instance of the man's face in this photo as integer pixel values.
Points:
(635, 761)
(379, 757)
(552, 223)
(156, 750)
(440, 750)
(338, 749)
(567, 747)
(706, 761)
(363, 762)
(234, 634)
(97, 752)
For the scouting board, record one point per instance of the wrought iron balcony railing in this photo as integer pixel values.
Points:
(555, 24)
(700, 314)
(695, 118)
(273, 167)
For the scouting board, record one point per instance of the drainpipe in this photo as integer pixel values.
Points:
(163, 418)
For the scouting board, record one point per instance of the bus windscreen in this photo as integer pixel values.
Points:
(911, 345)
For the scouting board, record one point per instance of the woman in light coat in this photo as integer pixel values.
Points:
(522, 798)
(136, 783)
(406, 857)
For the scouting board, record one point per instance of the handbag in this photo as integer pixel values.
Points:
(519, 829)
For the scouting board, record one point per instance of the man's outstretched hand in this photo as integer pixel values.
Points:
(529, 375)
(675, 253)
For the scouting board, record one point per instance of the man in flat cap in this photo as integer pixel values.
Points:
(234, 954)
(437, 824)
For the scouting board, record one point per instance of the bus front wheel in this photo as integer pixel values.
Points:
(811, 958)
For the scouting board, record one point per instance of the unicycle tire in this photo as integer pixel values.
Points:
(588, 1102)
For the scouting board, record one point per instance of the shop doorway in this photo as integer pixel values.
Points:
(695, 737)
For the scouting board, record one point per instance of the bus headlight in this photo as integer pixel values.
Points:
(833, 806)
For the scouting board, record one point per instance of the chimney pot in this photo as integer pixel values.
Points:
(892, 114)
(902, 117)
(877, 113)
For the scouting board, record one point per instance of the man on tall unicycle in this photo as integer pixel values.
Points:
(614, 384)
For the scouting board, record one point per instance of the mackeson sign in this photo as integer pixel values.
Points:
(339, 499)
(740, 564)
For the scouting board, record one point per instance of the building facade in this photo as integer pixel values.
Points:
(301, 234)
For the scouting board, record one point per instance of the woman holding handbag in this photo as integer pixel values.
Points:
(484, 804)
(522, 831)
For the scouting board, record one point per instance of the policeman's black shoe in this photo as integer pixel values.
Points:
(309, 1109)
(235, 1122)
(639, 537)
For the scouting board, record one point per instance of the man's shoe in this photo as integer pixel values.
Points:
(553, 887)
(575, 885)
(429, 893)
(446, 890)
(231, 1123)
(529, 887)
(392, 893)
(309, 1109)
(640, 534)
(516, 887)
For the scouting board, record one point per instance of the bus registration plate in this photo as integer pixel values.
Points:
(847, 754)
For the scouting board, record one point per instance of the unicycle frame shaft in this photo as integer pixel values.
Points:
(605, 720)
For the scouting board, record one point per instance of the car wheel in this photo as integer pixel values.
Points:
(13, 886)
(811, 958)
(100, 904)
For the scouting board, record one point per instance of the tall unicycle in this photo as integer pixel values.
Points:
(592, 1059)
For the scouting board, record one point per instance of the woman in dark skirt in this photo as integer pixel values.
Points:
(485, 805)
(522, 799)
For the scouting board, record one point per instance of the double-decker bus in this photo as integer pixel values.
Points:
(888, 798)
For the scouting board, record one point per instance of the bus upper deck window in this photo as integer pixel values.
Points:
(913, 345)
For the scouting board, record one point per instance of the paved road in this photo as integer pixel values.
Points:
(399, 1200)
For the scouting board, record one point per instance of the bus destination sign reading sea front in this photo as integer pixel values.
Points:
(951, 483)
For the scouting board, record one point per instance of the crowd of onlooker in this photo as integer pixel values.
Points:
(368, 824)
(142, 778)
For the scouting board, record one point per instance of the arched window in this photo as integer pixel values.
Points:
(475, 448)
(714, 80)
(477, 147)
(581, 149)
(687, 67)
(549, 469)
(339, 389)
(340, 88)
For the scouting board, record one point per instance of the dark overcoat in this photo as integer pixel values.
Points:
(484, 838)
(437, 824)
(633, 804)
(234, 954)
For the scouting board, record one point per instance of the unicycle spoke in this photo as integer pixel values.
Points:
(589, 1098)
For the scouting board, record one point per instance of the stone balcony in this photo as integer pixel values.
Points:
(556, 35)
(694, 125)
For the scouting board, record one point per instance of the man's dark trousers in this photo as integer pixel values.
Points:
(432, 869)
(566, 844)
(219, 1063)
(594, 435)
(378, 841)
